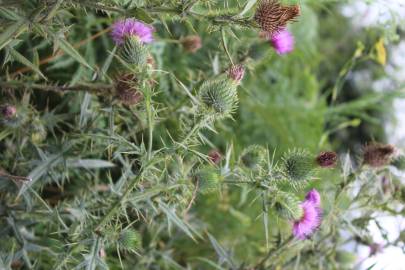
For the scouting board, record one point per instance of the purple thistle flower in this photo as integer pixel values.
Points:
(131, 27)
(282, 41)
(314, 197)
(309, 222)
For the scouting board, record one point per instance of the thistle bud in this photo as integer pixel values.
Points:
(208, 180)
(326, 159)
(297, 166)
(218, 97)
(129, 240)
(215, 156)
(378, 155)
(254, 157)
(8, 111)
(38, 133)
(191, 44)
(133, 52)
(287, 206)
(236, 73)
(126, 88)
(272, 16)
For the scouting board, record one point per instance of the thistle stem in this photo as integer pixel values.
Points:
(148, 103)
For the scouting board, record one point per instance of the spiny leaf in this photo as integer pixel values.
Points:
(20, 58)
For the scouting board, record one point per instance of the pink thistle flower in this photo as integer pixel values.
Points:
(309, 222)
(282, 41)
(131, 27)
(314, 197)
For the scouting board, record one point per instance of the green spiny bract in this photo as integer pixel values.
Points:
(297, 166)
(208, 179)
(219, 98)
(133, 52)
(129, 240)
(287, 206)
(254, 157)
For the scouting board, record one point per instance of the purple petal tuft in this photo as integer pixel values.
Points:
(131, 27)
(282, 41)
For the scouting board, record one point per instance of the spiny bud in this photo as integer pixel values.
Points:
(208, 179)
(272, 16)
(126, 88)
(326, 159)
(297, 165)
(378, 155)
(254, 157)
(129, 240)
(288, 206)
(219, 97)
(8, 111)
(38, 133)
(191, 43)
(236, 73)
(215, 156)
(134, 52)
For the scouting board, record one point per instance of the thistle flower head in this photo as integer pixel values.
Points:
(378, 155)
(218, 97)
(297, 166)
(208, 179)
(272, 16)
(131, 27)
(314, 197)
(129, 240)
(8, 111)
(326, 159)
(191, 44)
(282, 41)
(236, 73)
(254, 157)
(134, 52)
(310, 220)
(126, 88)
(288, 207)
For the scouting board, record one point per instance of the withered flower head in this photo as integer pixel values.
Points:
(191, 43)
(272, 16)
(126, 88)
(378, 155)
(326, 159)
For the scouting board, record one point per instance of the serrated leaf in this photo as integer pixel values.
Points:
(89, 163)
(20, 58)
(11, 32)
(70, 50)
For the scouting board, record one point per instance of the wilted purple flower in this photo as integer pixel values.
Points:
(131, 27)
(215, 156)
(282, 41)
(314, 197)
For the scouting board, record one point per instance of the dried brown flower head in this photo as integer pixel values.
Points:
(126, 89)
(191, 43)
(377, 155)
(326, 159)
(272, 16)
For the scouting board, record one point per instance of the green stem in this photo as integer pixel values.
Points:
(148, 103)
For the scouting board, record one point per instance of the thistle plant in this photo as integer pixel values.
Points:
(169, 135)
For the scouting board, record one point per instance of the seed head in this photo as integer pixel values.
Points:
(126, 88)
(378, 155)
(218, 97)
(272, 16)
(326, 159)
(236, 73)
(191, 44)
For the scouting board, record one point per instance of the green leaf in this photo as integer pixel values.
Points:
(11, 32)
(89, 163)
(20, 58)
(141, 14)
(70, 50)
